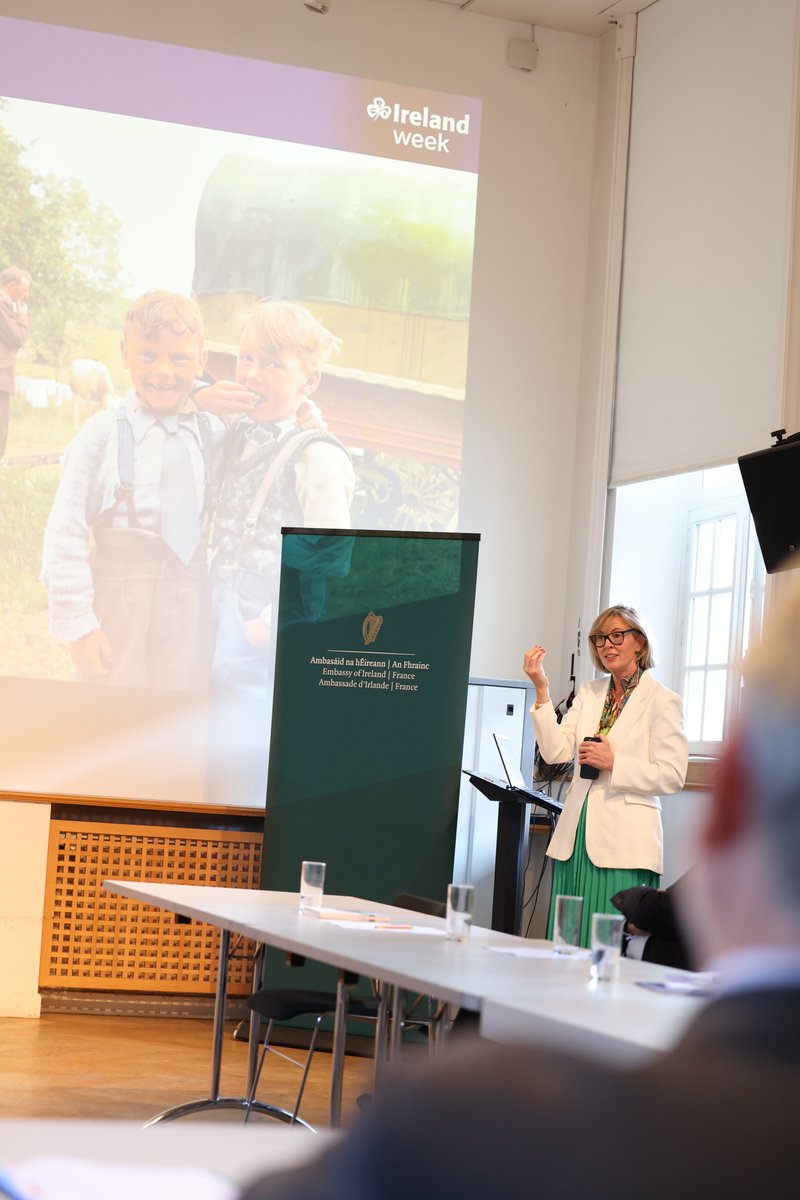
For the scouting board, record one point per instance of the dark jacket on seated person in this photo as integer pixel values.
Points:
(652, 910)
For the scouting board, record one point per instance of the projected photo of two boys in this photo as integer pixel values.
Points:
(277, 336)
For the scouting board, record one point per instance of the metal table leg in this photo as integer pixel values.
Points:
(398, 1022)
(343, 987)
(438, 1029)
(214, 1100)
(381, 1029)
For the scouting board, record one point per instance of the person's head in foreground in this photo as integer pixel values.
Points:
(716, 1114)
(747, 890)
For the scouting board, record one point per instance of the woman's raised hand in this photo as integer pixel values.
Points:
(533, 668)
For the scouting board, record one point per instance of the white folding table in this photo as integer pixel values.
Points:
(239, 1152)
(468, 974)
(622, 1022)
(273, 919)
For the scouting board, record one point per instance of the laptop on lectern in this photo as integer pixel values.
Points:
(515, 781)
(510, 766)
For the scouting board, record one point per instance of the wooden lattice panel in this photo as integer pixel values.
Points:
(93, 940)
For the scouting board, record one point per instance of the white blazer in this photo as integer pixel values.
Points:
(623, 807)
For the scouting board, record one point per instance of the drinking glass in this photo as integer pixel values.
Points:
(460, 902)
(312, 884)
(606, 946)
(567, 923)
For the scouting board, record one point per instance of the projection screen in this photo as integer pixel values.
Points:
(129, 168)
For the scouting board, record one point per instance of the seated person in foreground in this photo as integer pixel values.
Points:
(716, 1115)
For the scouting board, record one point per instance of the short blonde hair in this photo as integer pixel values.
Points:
(156, 311)
(281, 326)
(632, 620)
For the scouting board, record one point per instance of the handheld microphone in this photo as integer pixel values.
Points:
(588, 771)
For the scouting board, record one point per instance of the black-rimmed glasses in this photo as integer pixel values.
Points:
(616, 637)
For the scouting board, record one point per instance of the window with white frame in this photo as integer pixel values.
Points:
(685, 554)
(723, 591)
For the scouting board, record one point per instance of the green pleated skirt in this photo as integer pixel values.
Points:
(578, 876)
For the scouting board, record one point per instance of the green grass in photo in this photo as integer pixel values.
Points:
(26, 495)
(37, 431)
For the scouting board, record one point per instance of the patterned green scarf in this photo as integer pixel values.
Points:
(613, 706)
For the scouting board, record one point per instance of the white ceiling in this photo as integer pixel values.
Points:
(591, 17)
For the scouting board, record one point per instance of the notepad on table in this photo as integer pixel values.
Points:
(342, 914)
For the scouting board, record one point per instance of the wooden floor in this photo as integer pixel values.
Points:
(65, 1065)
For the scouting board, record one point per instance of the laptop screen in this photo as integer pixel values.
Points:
(510, 766)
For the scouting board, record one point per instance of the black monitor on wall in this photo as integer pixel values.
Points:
(771, 480)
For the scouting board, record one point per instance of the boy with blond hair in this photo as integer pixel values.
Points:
(275, 474)
(125, 548)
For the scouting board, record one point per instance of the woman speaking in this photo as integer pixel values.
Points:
(626, 737)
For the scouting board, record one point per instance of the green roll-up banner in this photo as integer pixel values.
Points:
(371, 676)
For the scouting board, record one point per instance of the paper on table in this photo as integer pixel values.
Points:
(537, 952)
(339, 915)
(424, 930)
(387, 927)
(56, 1178)
(346, 923)
(681, 985)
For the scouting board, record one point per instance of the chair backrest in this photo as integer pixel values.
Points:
(434, 908)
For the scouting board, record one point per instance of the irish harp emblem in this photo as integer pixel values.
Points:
(371, 627)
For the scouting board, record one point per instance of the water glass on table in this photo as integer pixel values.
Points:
(567, 913)
(606, 946)
(460, 902)
(312, 885)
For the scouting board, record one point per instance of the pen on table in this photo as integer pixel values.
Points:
(378, 926)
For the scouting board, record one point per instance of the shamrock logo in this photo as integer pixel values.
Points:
(379, 108)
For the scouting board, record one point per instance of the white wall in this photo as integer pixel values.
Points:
(24, 830)
(530, 253)
(587, 496)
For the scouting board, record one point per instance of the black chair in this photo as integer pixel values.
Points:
(286, 1004)
(433, 908)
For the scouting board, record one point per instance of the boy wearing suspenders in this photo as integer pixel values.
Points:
(125, 548)
(274, 474)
